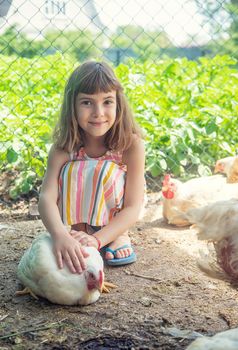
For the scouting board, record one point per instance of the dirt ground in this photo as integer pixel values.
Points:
(160, 295)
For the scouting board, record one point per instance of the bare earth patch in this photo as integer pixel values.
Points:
(163, 289)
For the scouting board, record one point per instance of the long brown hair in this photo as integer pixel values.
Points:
(91, 78)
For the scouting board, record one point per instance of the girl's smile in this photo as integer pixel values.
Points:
(97, 124)
(96, 113)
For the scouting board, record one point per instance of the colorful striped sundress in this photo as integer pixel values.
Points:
(91, 190)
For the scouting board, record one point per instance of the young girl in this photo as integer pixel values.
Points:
(95, 175)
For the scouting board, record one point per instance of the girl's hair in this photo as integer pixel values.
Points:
(92, 78)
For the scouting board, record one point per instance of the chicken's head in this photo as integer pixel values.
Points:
(168, 187)
(94, 274)
(219, 167)
(90, 288)
(94, 279)
(225, 165)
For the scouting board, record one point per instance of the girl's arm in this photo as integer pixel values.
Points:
(134, 158)
(65, 246)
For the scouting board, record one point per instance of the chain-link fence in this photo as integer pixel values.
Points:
(184, 96)
(117, 30)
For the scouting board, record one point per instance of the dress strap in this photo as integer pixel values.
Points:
(71, 156)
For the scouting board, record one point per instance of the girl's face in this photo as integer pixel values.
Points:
(96, 113)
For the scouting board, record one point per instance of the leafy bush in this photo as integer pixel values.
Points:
(188, 111)
(81, 44)
(31, 91)
(14, 42)
(143, 43)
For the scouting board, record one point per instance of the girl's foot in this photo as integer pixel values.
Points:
(119, 242)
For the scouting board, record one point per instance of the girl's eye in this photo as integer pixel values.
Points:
(86, 103)
(108, 102)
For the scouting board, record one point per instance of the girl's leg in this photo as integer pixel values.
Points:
(119, 241)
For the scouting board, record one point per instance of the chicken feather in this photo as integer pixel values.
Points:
(227, 340)
(229, 167)
(179, 197)
(39, 272)
(218, 222)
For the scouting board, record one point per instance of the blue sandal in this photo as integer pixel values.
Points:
(120, 261)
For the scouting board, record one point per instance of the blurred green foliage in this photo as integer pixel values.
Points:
(80, 44)
(188, 111)
(30, 92)
(221, 17)
(84, 44)
(143, 43)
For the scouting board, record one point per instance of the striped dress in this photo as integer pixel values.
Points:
(91, 190)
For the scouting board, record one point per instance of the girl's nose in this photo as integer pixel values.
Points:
(98, 110)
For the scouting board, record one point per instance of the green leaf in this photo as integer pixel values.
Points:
(211, 127)
(155, 170)
(25, 187)
(12, 156)
(204, 170)
(13, 193)
(226, 147)
(163, 164)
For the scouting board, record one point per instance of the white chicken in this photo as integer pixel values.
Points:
(178, 197)
(228, 166)
(218, 222)
(38, 271)
(227, 340)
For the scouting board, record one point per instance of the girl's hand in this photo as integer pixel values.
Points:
(84, 238)
(70, 251)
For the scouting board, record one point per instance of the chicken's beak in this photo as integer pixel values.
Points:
(100, 287)
(165, 188)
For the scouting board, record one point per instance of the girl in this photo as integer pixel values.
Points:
(95, 175)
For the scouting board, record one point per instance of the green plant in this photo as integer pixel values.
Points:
(31, 92)
(188, 111)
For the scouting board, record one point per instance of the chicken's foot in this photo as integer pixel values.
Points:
(107, 286)
(26, 291)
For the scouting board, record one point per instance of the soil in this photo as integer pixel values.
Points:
(159, 296)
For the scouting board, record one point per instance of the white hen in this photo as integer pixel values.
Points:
(39, 272)
(179, 197)
(218, 222)
(227, 340)
(228, 166)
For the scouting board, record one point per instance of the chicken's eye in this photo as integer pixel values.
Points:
(91, 276)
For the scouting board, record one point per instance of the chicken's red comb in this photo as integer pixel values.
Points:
(167, 178)
(168, 187)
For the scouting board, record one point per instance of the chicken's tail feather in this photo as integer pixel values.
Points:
(208, 264)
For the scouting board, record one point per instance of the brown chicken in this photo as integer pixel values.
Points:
(179, 196)
(229, 167)
(218, 223)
